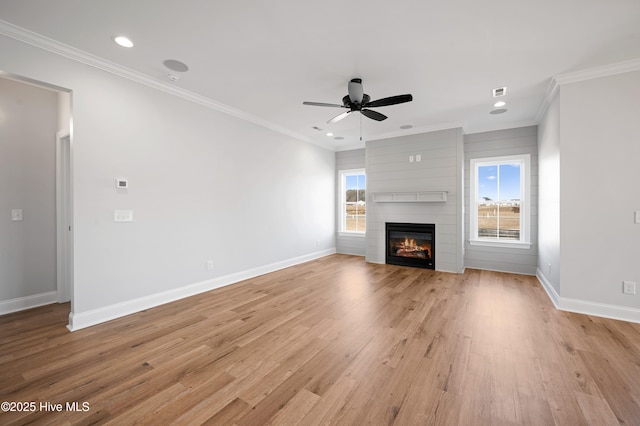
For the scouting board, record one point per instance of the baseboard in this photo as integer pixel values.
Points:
(578, 306)
(28, 302)
(546, 285)
(82, 320)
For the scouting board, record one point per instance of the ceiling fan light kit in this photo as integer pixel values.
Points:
(357, 100)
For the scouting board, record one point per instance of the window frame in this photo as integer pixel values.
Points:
(525, 201)
(343, 174)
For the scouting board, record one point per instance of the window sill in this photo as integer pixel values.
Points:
(352, 234)
(502, 244)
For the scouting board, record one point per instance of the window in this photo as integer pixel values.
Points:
(499, 203)
(353, 207)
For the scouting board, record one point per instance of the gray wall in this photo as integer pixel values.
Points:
(203, 185)
(28, 125)
(523, 140)
(389, 170)
(600, 189)
(345, 160)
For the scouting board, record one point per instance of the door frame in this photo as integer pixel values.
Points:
(64, 228)
(64, 189)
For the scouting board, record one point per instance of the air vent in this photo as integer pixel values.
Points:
(500, 91)
(317, 128)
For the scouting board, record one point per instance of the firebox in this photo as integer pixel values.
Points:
(411, 244)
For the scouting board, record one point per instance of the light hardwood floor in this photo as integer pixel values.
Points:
(333, 341)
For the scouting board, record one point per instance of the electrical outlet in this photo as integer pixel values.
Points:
(209, 265)
(628, 287)
(123, 215)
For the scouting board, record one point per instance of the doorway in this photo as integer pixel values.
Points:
(24, 293)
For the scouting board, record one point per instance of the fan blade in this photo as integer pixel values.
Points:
(373, 114)
(392, 100)
(323, 104)
(355, 90)
(339, 117)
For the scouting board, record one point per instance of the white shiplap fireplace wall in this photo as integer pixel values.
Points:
(440, 169)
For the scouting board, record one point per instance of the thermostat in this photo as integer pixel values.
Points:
(122, 183)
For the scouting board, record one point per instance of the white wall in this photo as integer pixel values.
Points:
(28, 125)
(549, 264)
(441, 169)
(522, 140)
(203, 185)
(600, 189)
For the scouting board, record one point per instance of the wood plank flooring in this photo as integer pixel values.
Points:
(332, 341)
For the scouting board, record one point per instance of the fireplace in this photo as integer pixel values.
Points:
(411, 244)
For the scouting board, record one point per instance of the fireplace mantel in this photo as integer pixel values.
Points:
(410, 197)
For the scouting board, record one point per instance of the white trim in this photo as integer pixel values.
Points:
(410, 197)
(525, 198)
(585, 307)
(577, 76)
(81, 320)
(502, 244)
(416, 130)
(352, 234)
(342, 175)
(28, 302)
(597, 72)
(492, 127)
(64, 242)
(53, 46)
(552, 89)
(551, 292)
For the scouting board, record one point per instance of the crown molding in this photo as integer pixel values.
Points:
(415, 131)
(469, 130)
(552, 90)
(37, 40)
(583, 75)
(597, 72)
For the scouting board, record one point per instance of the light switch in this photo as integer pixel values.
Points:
(123, 215)
(411, 158)
(637, 217)
(16, 215)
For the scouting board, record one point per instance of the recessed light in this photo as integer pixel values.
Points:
(498, 111)
(329, 134)
(123, 41)
(499, 104)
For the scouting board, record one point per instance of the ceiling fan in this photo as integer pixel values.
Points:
(357, 100)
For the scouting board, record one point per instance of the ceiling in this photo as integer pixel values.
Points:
(264, 59)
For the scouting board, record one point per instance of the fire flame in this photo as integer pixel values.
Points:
(410, 248)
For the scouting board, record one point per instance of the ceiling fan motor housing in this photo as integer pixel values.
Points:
(355, 106)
